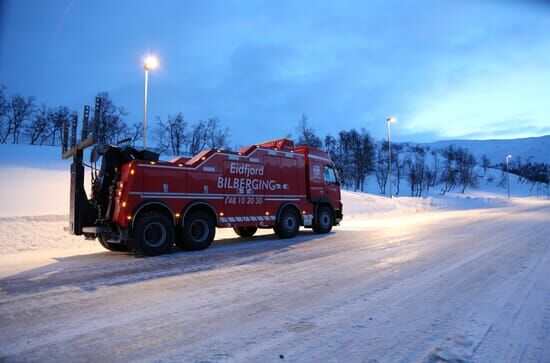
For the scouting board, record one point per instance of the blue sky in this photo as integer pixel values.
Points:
(446, 69)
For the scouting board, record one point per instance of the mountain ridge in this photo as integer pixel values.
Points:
(535, 148)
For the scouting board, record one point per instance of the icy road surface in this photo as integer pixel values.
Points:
(471, 285)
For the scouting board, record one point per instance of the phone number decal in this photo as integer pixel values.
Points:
(244, 200)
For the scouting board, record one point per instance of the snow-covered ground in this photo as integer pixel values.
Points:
(459, 277)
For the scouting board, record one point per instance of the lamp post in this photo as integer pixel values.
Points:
(151, 62)
(390, 120)
(508, 173)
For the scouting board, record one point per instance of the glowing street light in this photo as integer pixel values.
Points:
(150, 63)
(508, 173)
(390, 120)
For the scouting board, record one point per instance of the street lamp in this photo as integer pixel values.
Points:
(151, 63)
(508, 173)
(390, 120)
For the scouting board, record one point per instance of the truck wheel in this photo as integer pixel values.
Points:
(117, 247)
(245, 231)
(153, 234)
(323, 220)
(198, 231)
(289, 224)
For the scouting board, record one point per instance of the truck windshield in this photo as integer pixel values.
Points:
(330, 175)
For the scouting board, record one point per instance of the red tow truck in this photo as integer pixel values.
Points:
(141, 204)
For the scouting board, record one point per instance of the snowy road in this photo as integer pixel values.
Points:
(471, 285)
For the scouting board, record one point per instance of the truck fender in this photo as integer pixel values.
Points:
(148, 203)
(201, 203)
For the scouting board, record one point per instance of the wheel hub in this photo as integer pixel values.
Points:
(325, 219)
(154, 234)
(199, 230)
(290, 222)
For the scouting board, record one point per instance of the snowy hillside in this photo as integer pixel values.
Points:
(33, 181)
(535, 148)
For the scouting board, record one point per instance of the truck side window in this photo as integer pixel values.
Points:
(330, 175)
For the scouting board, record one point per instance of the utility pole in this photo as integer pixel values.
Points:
(508, 173)
(390, 120)
(151, 62)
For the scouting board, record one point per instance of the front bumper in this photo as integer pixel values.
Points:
(338, 216)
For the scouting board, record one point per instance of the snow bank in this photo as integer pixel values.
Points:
(363, 204)
(28, 191)
(19, 234)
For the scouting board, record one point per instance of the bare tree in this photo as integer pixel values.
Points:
(197, 137)
(306, 134)
(344, 157)
(174, 132)
(416, 169)
(458, 169)
(449, 176)
(429, 178)
(19, 109)
(38, 128)
(381, 165)
(134, 133)
(485, 163)
(466, 163)
(57, 118)
(3, 110)
(398, 164)
(176, 135)
(436, 168)
(111, 125)
(363, 157)
(533, 173)
(161, 137)
(218, 137)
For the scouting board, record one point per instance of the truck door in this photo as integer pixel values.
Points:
(331, 187)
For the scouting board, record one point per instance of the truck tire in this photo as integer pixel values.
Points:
(288, 224)
(198, 231)
(245, 231)
(153, 234)
(324, 219)
(117, 247)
